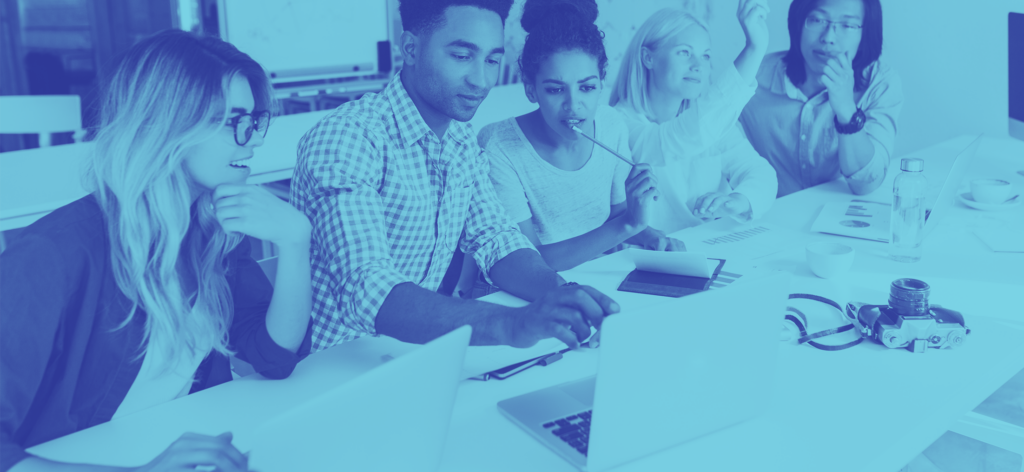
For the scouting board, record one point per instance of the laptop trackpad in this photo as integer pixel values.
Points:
(582, 390)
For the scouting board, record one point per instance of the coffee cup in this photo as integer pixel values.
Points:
(829, 260)
(991, 191)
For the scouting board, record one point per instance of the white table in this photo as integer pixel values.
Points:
(863, 409)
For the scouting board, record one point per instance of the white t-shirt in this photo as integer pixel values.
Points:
(561, 204)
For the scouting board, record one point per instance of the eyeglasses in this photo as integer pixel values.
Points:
(245, 124)
(818, 25)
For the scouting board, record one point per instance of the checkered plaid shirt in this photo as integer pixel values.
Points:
(389, 201)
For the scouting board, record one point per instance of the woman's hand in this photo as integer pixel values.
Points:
(641, 191)
(192, 450)
(656, 240)
(753, 16)
(714, 205)
(838, 80)
(254, 211)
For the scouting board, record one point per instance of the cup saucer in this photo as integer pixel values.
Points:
(968, 200)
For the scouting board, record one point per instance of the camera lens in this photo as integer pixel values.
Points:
(909, 297)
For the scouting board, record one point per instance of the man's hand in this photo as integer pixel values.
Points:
(656, 240)
(714, 205)
(192, 450)
(838, 80)
(566, 313)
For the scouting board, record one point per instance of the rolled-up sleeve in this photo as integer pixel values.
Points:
(490, 233)
(882, 108)
(342, 168)
(251, 293)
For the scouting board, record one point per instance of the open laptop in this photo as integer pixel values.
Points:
(394, 417)
(693, 366)
(946, 197)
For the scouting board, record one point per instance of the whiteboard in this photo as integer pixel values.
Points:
(307, 39)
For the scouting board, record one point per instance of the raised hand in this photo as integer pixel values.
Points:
(838, 80)
(641, 191)
(714, 205)
(192, 450)
(753, 16)
(254, 211)
(566, 313)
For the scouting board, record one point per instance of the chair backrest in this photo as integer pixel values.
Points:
(40, 114)
(34, 182)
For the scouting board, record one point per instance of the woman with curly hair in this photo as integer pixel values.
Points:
(137, 293)
(574, 200)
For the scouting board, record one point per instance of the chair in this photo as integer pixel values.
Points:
(42, 115)
(34, 182)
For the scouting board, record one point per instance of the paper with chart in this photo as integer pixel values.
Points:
(860, 219)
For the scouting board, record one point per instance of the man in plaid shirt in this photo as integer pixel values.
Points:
(390, 183)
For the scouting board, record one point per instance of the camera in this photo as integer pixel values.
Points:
(908, 321)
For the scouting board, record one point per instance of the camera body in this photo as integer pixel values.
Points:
(909, 321)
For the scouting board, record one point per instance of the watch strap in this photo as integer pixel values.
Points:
(856, 123)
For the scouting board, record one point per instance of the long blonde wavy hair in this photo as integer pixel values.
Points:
(167, 94)
(633, 79)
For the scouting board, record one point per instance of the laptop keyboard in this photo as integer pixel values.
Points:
(573, 429)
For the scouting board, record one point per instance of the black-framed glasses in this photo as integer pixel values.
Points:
(817, 25)
(246, 123)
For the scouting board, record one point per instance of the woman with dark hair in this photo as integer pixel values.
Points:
(137, 293)
(827, 107)
(571, 198)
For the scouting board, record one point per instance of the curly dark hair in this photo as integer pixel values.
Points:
(423, 16)
(868, 52)
(560, 25)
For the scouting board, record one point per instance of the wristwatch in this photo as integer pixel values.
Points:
(856, 123)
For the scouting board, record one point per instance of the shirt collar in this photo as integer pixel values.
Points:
(783, 86)
(411, 126)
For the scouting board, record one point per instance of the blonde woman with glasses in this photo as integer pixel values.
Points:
(137, 293)
(685, 125)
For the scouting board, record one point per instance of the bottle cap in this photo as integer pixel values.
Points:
(912, 165)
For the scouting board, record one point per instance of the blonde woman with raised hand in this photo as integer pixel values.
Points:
(685, 125)
(137, 293)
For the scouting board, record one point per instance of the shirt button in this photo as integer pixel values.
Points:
(803, 137)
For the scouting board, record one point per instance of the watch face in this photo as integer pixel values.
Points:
(856, 123)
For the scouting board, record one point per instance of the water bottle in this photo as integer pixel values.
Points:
(907, 222)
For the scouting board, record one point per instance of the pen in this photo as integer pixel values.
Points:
(606, 148)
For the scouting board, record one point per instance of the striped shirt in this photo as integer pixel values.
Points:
(389, 201)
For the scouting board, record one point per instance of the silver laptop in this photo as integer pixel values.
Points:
(693, 366)
(394, 417)
(950, 185)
